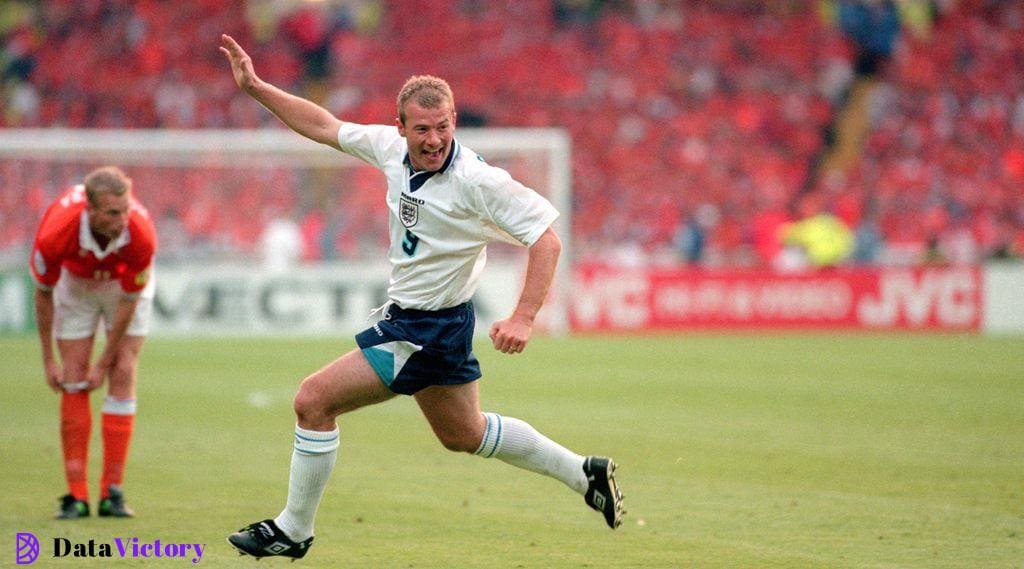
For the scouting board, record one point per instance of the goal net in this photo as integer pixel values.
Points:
(214, 194)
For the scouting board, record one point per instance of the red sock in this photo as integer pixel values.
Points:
(117, 433)
(75, 429)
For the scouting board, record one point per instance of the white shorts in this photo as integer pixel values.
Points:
(79, 304)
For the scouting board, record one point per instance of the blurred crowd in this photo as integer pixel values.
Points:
(701, 131)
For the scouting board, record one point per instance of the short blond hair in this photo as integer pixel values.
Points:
(428, 91)
(106, 180)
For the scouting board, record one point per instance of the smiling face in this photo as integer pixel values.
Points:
(429, 133)
(426, 118)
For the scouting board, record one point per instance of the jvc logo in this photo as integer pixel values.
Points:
(930, 297)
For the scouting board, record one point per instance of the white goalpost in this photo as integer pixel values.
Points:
(249, 175)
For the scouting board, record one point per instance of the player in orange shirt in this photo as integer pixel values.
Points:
(92, 261)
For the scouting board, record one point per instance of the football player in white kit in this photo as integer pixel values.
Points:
(445, 205)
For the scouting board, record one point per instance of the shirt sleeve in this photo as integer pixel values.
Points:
(56, 236)
(369, 143)
(135, 278)
(45, 267)
(513, 208)
(133, 284)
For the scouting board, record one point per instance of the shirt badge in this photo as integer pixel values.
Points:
(408, 212)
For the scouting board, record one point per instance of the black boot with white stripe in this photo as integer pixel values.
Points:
(602, 491)
(265, 539)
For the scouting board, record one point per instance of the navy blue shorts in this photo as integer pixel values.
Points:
(413, 349)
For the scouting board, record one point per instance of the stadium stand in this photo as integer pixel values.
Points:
(690, 145)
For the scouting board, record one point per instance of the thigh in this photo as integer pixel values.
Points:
(344, 385)
(453, 412)
(74, 358)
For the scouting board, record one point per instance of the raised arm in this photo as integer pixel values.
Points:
(301, 115)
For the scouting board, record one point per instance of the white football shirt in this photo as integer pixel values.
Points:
(441, 222)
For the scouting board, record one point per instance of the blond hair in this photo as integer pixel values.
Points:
(106, 180)
(427, 91)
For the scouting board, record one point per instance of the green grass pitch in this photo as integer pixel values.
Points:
(735, 450)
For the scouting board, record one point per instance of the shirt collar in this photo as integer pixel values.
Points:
(88, 242)
(417, 179)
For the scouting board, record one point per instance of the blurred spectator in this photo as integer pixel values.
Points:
(874, 26)
(689, 241)
(281, 244)
(819, 237)
(867, 242)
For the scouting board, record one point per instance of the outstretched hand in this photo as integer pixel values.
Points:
(241, 63)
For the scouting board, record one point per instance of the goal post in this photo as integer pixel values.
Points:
(254, 172)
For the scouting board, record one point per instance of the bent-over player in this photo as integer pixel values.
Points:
(92, 262)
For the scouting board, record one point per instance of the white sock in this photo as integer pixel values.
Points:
(514, 441)
(312, 462)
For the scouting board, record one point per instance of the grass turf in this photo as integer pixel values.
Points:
(746, 450)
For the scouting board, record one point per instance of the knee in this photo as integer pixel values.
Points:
(126, 360)
(123, 370)
(461, 438)
(75, 371)
(310, 407)
(459, 442)
(122, 378)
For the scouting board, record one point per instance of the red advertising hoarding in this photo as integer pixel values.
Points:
(926, 298)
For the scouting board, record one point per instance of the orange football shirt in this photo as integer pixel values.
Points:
(64, 241)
